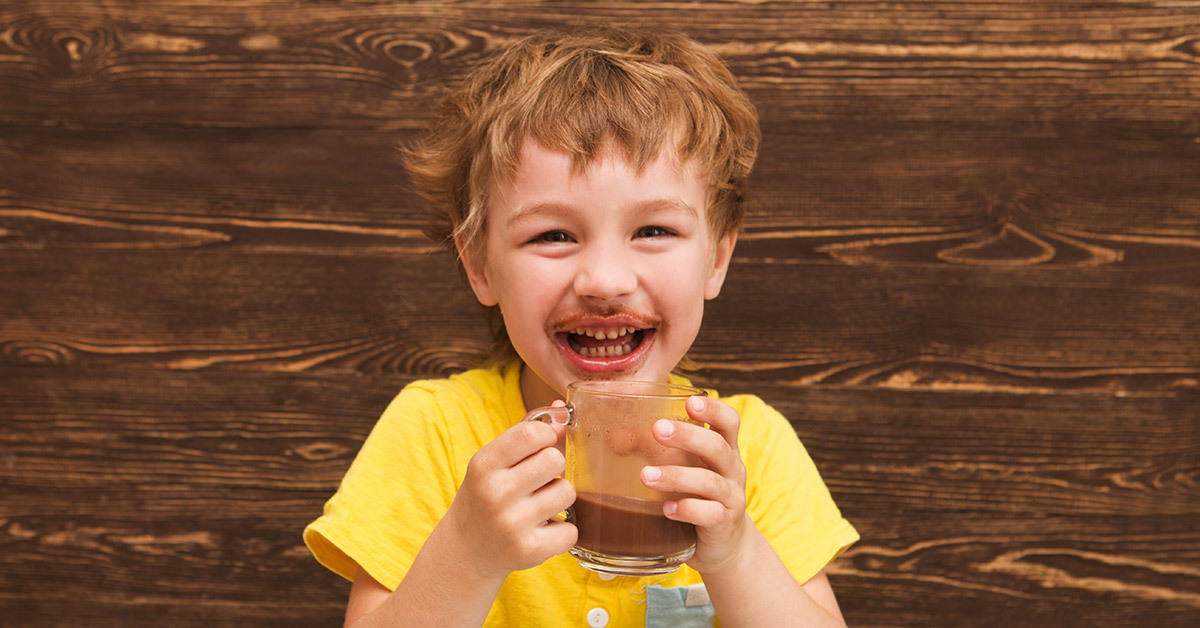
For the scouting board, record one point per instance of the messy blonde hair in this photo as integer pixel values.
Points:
(575, 92)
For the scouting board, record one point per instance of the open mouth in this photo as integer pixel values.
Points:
(605, 342)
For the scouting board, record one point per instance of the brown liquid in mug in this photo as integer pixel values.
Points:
(628, 526)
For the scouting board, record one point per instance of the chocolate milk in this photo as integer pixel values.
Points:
(628, 526)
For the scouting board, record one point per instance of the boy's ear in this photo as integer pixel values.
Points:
(476, 274)
(724, 253)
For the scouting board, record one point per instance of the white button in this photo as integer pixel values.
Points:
(607, 576)
(597, 618)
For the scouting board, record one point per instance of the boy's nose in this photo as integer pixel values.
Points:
(605, 276)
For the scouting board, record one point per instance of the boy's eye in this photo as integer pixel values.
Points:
(651, 231)
(555, 236)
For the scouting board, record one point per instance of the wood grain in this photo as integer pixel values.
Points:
(1042, 570)
(170, 488)
(936, 450)
(925, 326)
(268, 63)
(970, 277)
(965, 194)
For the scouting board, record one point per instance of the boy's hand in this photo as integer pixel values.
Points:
(719, 506)
(511, 490)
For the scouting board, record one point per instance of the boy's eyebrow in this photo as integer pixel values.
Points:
(666, 205)
(532, 211)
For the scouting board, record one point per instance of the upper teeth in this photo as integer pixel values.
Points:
(603, 334)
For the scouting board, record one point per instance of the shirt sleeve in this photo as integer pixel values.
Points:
(786, 497)
(395, 492)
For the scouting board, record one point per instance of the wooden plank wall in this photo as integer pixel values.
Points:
(971, 277)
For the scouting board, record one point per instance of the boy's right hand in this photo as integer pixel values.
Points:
(503, 513)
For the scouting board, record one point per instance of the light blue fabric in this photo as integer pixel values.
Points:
(666, 607)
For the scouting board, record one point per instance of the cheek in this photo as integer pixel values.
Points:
(685, 292)
(686, 275)
(507, 280)
(526, 296)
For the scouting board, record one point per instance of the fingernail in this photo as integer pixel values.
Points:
(652, 473)
(670, 508)
(696, 404)
(666, 428)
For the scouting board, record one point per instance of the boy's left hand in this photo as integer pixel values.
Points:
(719, 507)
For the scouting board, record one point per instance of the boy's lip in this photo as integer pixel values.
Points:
(621, 323)
(605, 364)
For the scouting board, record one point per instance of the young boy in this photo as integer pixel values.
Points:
(591, 184)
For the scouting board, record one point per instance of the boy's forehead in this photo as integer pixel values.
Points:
(536, 162)
(545, 177)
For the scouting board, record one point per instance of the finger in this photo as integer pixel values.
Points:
(557, 537)
(720, 417)
(517, 443)
(711, 447)
(703, 513)
(701, 483)
(554, 497)
(540, 541)
(538, 469)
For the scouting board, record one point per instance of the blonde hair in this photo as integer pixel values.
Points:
(575, 92)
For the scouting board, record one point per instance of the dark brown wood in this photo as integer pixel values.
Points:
(999, 571)
(970, 277)
(802, 322)
(962, 193)
(163, 489)
(266, 63)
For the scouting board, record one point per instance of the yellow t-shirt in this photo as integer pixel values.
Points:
(410, 467)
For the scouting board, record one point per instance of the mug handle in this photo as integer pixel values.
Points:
(556, 415)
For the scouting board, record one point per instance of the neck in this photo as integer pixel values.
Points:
(535, 392)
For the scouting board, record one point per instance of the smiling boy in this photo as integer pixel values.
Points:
(601, 272)
(591, 184)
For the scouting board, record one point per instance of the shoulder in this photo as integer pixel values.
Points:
(749, 406)
(767, 440)
(476, 386)
(469, 408)
(475, 382)
(759, 419)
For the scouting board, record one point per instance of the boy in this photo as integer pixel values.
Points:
(591, 184)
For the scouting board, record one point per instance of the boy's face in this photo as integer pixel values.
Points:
(601, 273)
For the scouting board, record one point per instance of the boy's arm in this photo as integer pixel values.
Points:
(498, 523)
(746, 580)
(421, 599)
(757, 590)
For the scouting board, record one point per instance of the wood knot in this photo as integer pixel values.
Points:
(321, 451)
(1189, 47)
(73, 54)
(1010, 246)
(34, 352)
(260, 42)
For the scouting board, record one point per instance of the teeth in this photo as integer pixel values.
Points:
(609, 351)
(603, 352)
(604, 334)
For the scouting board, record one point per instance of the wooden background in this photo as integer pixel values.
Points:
(971, 277)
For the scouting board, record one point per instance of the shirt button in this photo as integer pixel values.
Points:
(597, 618)
(605, 576)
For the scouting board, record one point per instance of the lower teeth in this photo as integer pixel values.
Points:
(603, 352)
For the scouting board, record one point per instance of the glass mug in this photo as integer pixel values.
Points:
(608, 436)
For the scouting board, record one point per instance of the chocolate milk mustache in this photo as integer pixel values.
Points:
(609, 440)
